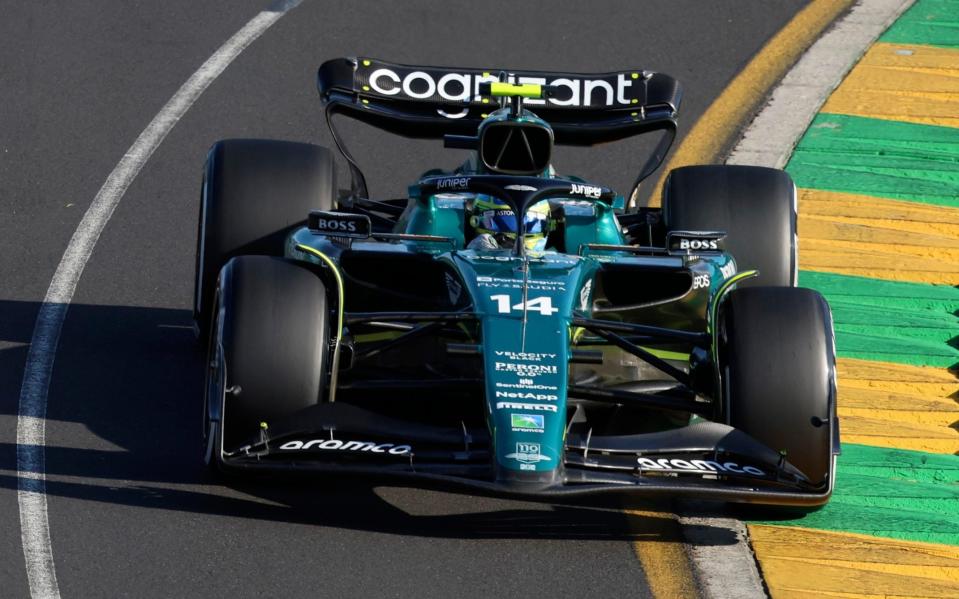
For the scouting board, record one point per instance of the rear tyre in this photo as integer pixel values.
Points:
(255, 191)
(755, 206)
(268, 352)
(778, 371)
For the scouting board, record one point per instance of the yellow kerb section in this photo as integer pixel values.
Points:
(914, 83)
(882, 239)
(802, 563)
(898, 406)
(660, 548)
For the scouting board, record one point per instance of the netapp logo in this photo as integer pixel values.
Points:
(589, 191)
(536, 396)
(337, 445)
(699, 244)
(675, 465)
(462, 87)
(508, 405)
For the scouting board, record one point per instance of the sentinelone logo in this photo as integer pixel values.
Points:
(460, 87)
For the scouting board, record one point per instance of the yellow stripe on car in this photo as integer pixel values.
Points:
(339, 309)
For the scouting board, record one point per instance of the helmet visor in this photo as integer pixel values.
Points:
(503, 221)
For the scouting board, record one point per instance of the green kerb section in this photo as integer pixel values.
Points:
(880, 158)
(891, 321)
(928, 22)
(892, 493)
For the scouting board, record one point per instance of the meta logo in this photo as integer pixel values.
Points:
(589, 191)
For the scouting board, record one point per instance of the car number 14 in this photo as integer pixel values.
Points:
(543, 305)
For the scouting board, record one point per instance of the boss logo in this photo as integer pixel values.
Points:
(335, 225)
(699, 244)
(694, 242)
(339, 224)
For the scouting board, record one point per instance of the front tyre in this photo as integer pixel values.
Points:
(269, 347)
(778, 371)
(255, 192)
(754, 205)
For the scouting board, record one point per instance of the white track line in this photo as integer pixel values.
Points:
(724, 569)
(31, 494)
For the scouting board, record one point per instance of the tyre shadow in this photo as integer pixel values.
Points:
(132, 377)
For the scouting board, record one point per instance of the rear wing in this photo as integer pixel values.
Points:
(429, 102)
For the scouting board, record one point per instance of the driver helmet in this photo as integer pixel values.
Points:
(494, 219)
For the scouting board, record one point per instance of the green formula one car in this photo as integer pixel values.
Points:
(504, 327)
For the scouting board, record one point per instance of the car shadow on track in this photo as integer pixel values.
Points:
(123, 427)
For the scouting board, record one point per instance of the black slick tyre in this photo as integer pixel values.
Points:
(269, 345)
(255, 191)
(777, 365)
(755, 206)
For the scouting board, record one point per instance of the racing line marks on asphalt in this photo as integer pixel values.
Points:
(31, 414)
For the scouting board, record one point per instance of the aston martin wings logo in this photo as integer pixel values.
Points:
(528, 453)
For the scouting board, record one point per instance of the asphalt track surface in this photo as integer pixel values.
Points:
(131, 511)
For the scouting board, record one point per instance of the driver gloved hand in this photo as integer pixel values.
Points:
(483, 241)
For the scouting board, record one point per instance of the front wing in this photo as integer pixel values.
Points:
(706, 460)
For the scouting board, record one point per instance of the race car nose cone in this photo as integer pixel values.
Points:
(528, 481)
